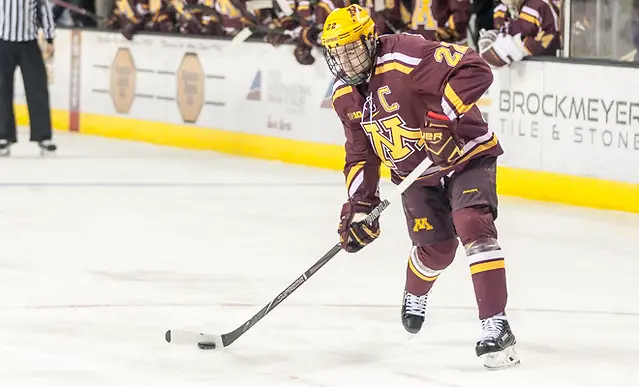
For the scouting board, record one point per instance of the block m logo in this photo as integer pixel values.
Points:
(422, 224)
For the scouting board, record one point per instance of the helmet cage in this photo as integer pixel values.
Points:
(352, 62)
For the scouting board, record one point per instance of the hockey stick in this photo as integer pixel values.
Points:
(211, 341)
(390, 26)
(247, 32)
(76, 9)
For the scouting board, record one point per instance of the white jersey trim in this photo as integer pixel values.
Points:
(409, 60)
(531, 12)
(356, 183)
(339, 83)
(448, 110)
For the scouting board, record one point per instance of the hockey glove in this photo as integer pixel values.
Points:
(440, 139)
(129, 29)
(486, 39)
(499, 49)
(311, 36)
(447, 34)
(276, 39)
(354, 233)
(303, 55)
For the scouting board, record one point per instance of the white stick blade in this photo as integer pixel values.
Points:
(241, 36)
(254, 5)
(285, 7)
(174, 336)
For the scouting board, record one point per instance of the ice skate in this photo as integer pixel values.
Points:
(413, 312)
(497, 345)
(5, 148)
(47, 147)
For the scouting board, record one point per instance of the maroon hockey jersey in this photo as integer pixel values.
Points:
(428, 15)
(538, 23)
(382, 119)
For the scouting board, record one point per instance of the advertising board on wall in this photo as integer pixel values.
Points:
(563, 118)
(190, 87)
(151, 78)
(123, 76)
(567, 118)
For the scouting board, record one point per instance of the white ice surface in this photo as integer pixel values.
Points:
(110, 243)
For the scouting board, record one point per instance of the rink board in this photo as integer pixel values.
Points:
(570, 132)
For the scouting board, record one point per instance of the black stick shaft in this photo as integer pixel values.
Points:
(230, 337)
(76, 9)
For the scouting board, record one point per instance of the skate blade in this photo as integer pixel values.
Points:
(499, 360)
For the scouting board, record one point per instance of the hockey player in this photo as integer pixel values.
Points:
(130, 16)
(162, 16)
(313, 14)
(285, 28)
(197, 17)
(441, 20)
(235, 15)
(522, 28)
(401, 99)
(392, 19)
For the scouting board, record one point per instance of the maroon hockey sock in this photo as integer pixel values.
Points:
(489, 281)
(477, 231)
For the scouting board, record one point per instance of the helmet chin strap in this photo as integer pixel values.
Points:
(374, 61)
(371, 45)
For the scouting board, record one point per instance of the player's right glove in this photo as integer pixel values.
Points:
(354, 233)
(440, 139)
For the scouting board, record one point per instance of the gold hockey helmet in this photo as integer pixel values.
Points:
(350, 43)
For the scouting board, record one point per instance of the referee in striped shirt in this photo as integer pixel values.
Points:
(19, 24)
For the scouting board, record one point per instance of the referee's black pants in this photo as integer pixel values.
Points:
(28, 57)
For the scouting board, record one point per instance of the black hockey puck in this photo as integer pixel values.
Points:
(206, 345)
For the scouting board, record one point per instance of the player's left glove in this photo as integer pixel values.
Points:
(354, 233)
(440, 139)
